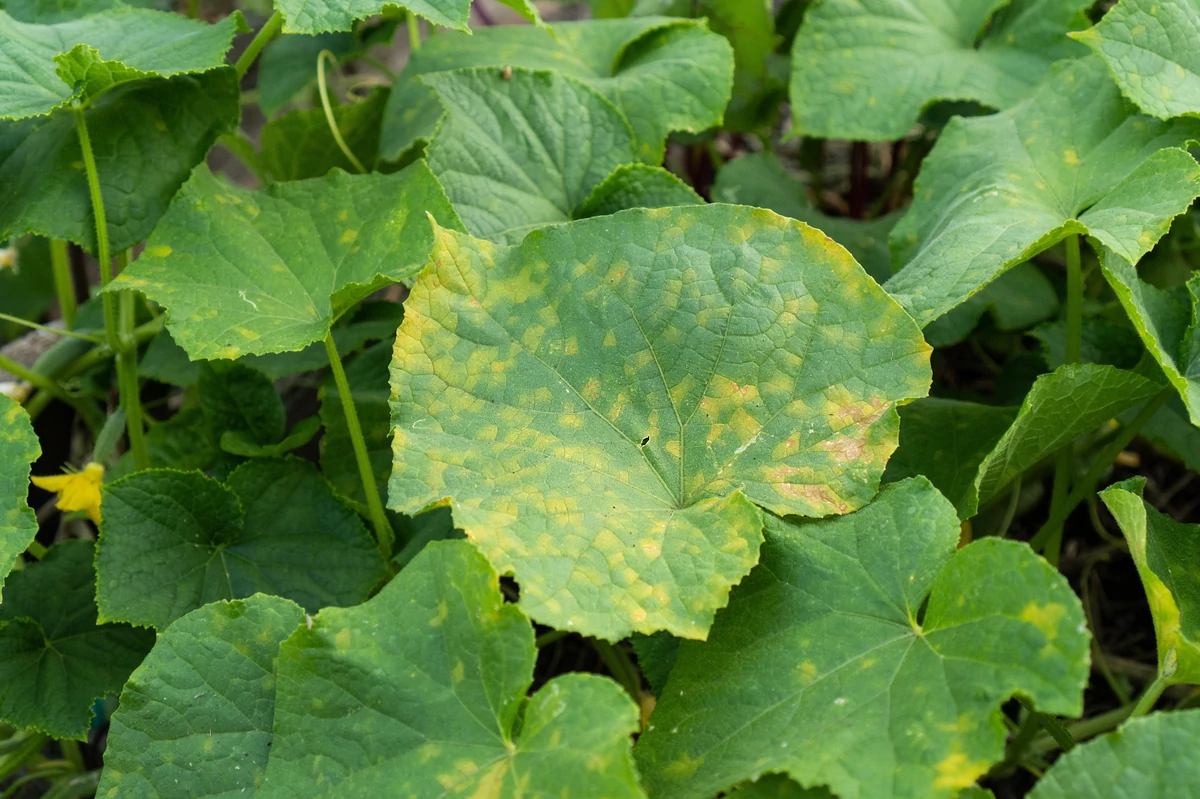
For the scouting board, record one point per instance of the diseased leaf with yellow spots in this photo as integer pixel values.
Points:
(245, 272)
(602, 405)
(1167, 555)
(195, 718)
(866, 655)
(19, 448)
(1074, 157)
(422, 692)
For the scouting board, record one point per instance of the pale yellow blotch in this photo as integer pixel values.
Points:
(638, 615)
(1071, 157)
(1045, 617)
(442, 614)
(806, 672)
(610, 339)
(958, 771)
(673, 447)
(343, 215)
(349, 236)
(458, 673)
(247, 333)
(650, 546)
(158, 251)
(684, 766)
(342, 640)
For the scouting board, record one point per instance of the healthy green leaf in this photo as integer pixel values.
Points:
(1171, 433)
(1167, 555)
(519, 150)
(824, 665)
(973, 452)
(664, 74)
(173, 541)
(865, 70)
(1072, 158)
(656, 657)
(55, 660)
(763, 181)
(27, 287)
(146, 136)
(319, 16)
(300, 144)
(49, 12)
(437, 706)
(1101, 341)
(777, 786)
(166, 362)
(19, 448)
(527, 9)
(289, 64)
(600, 409)
(195, 718)
(44, 67)
(1148, 48)
(1018, 299)
(1165, 321)
(261, 272)
(1148, 758)
(184, 442)
(238, 443)
(242, 400)
(368, 378)
(637, 186)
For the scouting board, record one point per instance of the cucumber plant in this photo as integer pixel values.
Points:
(625, 399)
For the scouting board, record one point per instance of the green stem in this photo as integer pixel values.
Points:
(1010, 513)
(72, 753)
(620, 668)
(1074, 301)
(383, 528)
(58, 331)
(1083, 730)
(1166, 671)
(127, 377)
(36, 550)
(64, 286)
(264, 35)
(1087, 483)
(193, 9)
(549, 637)
(323, 90)
(1020, 742)
(1051, 725)
(102, 252)
(53, 390)
(414, 31)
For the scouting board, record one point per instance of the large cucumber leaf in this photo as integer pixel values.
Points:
(319, 16)
(866, 655)
(1149, 45)
(422, 691)
(600, 409)
(1167, 555)
(19, 448)
(195, 718)
(55, 659)
(1072, 158)
(664, 74)
(173, 541)
(244, 272)
(865, 69)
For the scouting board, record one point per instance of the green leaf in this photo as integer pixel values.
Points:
(1018, 299)
(244, 272)
(599, 407)
(166, 362)
(984, 455)
(300, 144)
(1165, 322)
(1148, 758)
(289, 64)
(242, 400)
(45, 67)
(1170, 431)
(317, 16)
(368, 378)
(1167, 556)
(997, 190)
(527, 9)
(865, 70)
(19, 448)
(1148, 48)
(656, 657)
(49, 12)
(27, 287)
(195, 718)
(763, 181)
(637, 186)
(1102, 341)
(664, 74)
(55, 660)
(146, 136)
(825, 666)
(777, 786)
(238, 443)
(453, 679)
(184, 442)
(173, 541)
(520, 150)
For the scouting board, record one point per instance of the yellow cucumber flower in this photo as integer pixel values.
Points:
(76, 490)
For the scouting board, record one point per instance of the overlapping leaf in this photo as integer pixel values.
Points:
(1072, 158)
(173, 541)
(825, 666)
(637, 186)
(1150, 48)
(195, 718)
(18, 450)
(865, 70)
(45, 67)
(973, 452)
(437, 706)
(601, 409)
(289, 64)
(1166, 323)
(1148, 758)
(664, 74)
(763, 181)
(1017, 300)
(244, 272)
(55, 660)
(319, 16)
(1167, 555)
(301, 145)
(147, 136)
(520, 150)
(49, 12)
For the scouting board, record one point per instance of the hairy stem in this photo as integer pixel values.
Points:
(64, 286)
(323, 90)
(265, 34)
(383, 528)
